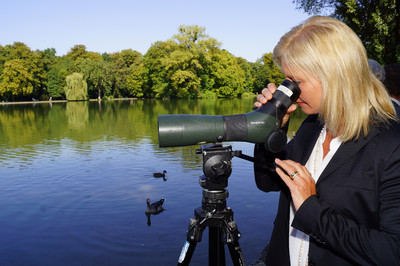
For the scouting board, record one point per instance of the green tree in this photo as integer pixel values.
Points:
(377, 22)
(98, 75)
(266, 72)
(157, 84)
(129, 57)
(56, 77)
(78, 54)
(54, 84)
(76, 88)
(38, 65)
(199, 49)
(50, 57)
(260, 74)
(189, 65)
(15, 79)
(22, 72)
(136, 81)
(274, 74)
(128, 70)
(248, 83)
(229, 77)
(181, 67)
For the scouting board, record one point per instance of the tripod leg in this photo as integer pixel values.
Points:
(216, 249)
(187, 253)
(232, 235)
(236, 253)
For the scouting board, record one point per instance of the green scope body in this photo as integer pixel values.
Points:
(254, 127)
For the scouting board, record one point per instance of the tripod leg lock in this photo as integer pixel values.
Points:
(232, 235)
(195, 231)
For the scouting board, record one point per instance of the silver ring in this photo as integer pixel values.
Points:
(293, 175)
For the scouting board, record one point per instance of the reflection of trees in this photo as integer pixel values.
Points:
(23, 125)
(78, 114)
(186, 155)
(87, 122)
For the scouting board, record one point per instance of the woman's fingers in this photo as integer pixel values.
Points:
(292, 168)
(265, 96)
(298, 180)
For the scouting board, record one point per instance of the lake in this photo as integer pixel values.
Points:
(75, 177)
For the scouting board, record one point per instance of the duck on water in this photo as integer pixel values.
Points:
(153, 209)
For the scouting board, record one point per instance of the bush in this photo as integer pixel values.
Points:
(248, 95)
(208, 95)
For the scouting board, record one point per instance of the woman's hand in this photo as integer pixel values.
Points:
(266, 95)
(300, 182)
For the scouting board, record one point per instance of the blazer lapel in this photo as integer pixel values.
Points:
(305, 140)
(345, 152)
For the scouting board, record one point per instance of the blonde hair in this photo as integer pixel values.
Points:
(353, 99)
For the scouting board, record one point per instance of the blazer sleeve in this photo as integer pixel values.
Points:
(356, 242)
(264, 169)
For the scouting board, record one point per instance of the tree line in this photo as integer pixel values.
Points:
(189, 65)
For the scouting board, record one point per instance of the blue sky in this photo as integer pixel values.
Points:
(247, 28)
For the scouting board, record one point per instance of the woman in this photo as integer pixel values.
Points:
(340, 196)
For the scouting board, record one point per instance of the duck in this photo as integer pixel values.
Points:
(155, 207)
(160, 174)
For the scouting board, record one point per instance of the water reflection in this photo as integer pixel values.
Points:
(78, 115)
(35, 127)
(75, 177)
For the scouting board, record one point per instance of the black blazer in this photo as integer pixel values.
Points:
(355, 217)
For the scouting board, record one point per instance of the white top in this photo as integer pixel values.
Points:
(299, 241)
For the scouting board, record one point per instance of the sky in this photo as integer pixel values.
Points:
(245, 28)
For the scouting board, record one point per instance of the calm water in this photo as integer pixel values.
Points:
(74, 178)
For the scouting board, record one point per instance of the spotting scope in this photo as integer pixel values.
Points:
(259, 126)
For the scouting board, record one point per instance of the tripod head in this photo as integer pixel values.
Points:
(217, 165)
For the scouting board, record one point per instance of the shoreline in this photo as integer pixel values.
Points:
(64, 101)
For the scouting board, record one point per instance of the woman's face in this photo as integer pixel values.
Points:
(311, 89)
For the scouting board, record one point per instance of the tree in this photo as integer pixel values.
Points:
(78, 54)
(229, 77)
(181, 67)
(136, 80)
(128, 57)
(76, 88)
(274, 74)
(50, 55)
(377, 22)
(22, 72)
(128, 68)
(248, 74)
(188, 65)
(158, 83)
(98, 75)
(15, 79)
(265, 71)
(54, 84)
(56, 76)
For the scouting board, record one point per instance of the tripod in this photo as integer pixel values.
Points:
(214, 214)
